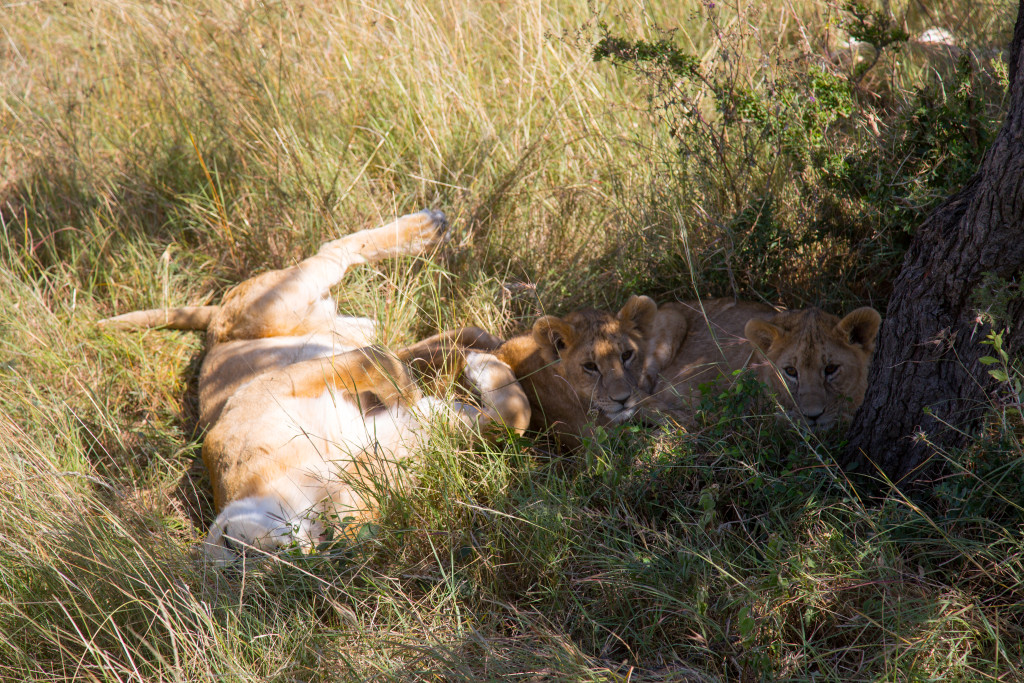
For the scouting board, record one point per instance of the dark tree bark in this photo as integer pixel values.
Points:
(926, 378)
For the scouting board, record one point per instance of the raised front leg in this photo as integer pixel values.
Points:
(443, 352)
(414, 233)
(467, 351)
(296, 300)
(504, 401)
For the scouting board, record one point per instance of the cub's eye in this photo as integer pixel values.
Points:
(831, 369)
(590, 367)
(626, 355)
(791, 371)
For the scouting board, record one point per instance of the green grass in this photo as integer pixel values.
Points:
(156, 153)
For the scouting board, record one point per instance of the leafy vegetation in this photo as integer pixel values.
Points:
(155, 153)
(825, 151)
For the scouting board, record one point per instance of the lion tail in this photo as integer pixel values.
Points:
(185, 318)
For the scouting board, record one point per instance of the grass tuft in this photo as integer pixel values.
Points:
(153, 154)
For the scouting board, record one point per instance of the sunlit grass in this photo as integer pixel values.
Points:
(154, 154)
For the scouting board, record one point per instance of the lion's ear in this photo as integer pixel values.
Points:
(860, 328)
(553, 333)
(761, 333)
(638, 314)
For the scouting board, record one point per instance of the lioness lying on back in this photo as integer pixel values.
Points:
(815, 363)
(306, 420)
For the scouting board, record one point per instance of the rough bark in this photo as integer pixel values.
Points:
(926, 378)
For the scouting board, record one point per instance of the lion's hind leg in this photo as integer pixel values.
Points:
(466, 353)
(184, 318)
(297, 301)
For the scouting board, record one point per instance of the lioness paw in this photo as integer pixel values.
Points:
(423, 230)
(503, 397)
(414, 233)
(485, 372)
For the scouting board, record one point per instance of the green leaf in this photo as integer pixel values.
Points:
(746, 623)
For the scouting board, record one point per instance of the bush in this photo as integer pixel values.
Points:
(807, 169)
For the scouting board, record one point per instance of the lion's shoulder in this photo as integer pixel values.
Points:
(693, 342)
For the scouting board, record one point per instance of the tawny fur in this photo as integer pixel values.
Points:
(582, 370)
(815, 363)
(307, 421)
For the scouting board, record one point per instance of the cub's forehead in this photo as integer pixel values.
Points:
(810, 330)
(608, 346)
(803, 321)
(805, 354)
(815, 348)
(591, 324)
(611, 330)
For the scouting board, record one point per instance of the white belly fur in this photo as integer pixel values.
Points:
(327, 442)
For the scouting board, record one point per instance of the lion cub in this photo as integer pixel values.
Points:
(815, 363)
(306, 420)
(583, 369)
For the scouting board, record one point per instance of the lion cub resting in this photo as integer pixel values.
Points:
(583, 369)
(306, 420)
(815, 363)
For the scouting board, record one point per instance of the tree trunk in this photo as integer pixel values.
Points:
(926, 389)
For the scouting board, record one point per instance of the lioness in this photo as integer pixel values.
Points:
(583, 369)
(306, 419)
(815, 363)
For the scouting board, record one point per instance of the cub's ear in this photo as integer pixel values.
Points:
(638, 314)
(554, 334)
(860, 328)
(761, 333)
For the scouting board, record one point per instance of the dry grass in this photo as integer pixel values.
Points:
(155, 153)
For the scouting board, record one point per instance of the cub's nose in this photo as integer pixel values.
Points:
(620, 398)
(812, 416)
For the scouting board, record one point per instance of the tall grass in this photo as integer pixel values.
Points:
(155, 153)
